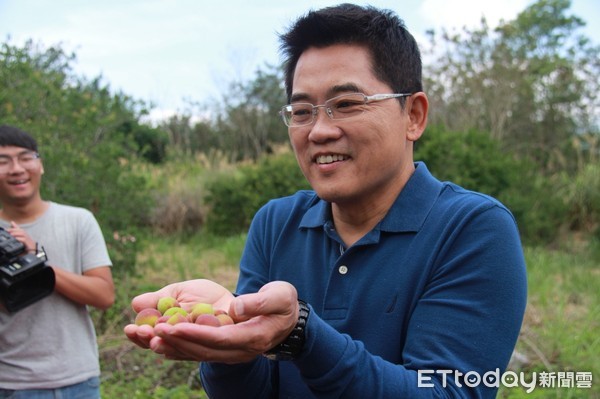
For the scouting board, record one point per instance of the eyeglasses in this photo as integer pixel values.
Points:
(27, 159)
(340, 107)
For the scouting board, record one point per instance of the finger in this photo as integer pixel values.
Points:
(203, 343)
(247, 306)
(250, 337)
(139, 335)
(143, 301)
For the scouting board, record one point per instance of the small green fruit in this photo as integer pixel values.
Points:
(165, 303)
(147, 316)
(175, 310)
(177, 318)
(200, 309)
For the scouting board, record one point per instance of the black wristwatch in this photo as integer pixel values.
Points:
(294, 343)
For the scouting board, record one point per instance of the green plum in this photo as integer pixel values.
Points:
(165, 303)
(147, 316)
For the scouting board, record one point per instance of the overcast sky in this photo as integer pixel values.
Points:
(170, 51)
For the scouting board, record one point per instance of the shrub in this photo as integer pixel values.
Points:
(584, 198)
(475, 161)
(234, 198)
(470, 159)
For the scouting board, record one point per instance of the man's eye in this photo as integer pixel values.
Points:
(301, 112)
(345, 105)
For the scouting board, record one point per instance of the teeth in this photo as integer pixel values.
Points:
(322, 159)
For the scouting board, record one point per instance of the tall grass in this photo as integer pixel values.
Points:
(560, 330)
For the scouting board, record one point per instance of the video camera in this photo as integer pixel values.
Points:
(24, 277)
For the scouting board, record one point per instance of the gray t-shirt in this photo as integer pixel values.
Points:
(52, 343)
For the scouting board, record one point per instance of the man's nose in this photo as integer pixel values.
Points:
(15, 165)
(324, 127)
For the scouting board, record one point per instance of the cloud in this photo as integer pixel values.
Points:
(167, 51)
(461, 13)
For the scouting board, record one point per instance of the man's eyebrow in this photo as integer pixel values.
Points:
(332, 92)
(344, 88)
(299, 97)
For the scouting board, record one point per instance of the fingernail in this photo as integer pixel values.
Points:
(238, 306)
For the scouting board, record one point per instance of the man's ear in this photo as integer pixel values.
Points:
(417, 107)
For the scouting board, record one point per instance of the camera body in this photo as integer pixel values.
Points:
(24, 277)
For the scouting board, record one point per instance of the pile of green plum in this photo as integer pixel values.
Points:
(168, 311)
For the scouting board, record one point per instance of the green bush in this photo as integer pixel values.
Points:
(87, 139)
(233, 199)
(539, 205)
(584, 198)
(470, 159)
(475, 161)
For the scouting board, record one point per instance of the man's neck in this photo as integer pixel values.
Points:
(24, 213)
(354, 219)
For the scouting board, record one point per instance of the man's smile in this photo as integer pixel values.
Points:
(326, 159)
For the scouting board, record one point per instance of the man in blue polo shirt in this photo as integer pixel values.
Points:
(383, 282)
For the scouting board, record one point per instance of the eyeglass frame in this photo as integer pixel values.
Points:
(11, 160)
(329, 111)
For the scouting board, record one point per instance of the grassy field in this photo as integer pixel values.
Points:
(560, 331)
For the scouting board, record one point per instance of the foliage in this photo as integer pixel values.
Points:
(234, 199)
(532, 83)
(244, 125)
(86, 135)
(584, 197)
(476, 161)
(178, 186)
(470, 159)
(151, 143)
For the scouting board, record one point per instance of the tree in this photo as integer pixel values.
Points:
(87, 135)
(532, 83)
(245, 124)
(249, 123)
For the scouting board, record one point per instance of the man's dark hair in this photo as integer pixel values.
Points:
(13, 136)
(394, 52)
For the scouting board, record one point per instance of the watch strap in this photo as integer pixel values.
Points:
(294, 343)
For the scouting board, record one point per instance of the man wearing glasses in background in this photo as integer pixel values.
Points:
(48, 349)
(382, 272)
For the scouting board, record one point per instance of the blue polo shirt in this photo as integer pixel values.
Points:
(435, 291)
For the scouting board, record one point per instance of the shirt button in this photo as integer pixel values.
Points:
(343, 269)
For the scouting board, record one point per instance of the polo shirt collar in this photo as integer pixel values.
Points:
(406, 215)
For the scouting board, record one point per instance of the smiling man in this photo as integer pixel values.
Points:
(352, 290)
(48, 349)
